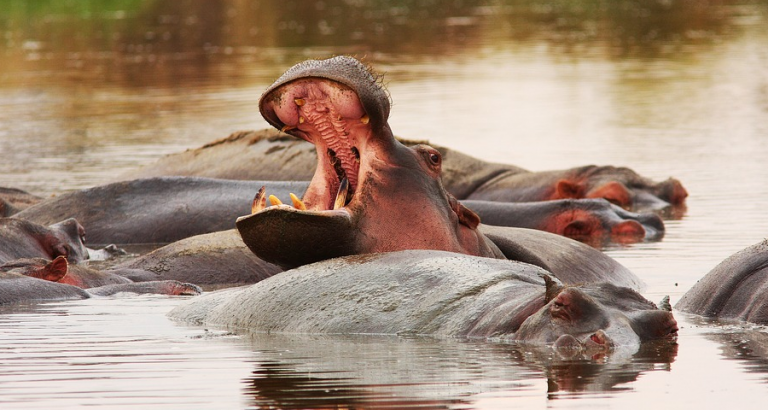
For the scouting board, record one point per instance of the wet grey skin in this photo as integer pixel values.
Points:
(737, 288)
(369, 193)
(436, 293)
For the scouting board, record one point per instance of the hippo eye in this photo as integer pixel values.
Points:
(434, 157)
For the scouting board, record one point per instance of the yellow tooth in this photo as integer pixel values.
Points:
(259, 201)
(299, 101)
(287, 128)
(274, 201)
(341, 197)
(364, 119)
(297, 202)
(301, 120)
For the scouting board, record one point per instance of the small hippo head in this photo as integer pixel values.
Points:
(69, 241)
(599, 316)
(369, 193)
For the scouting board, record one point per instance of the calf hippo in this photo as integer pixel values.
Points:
(737, 288)
(24, 239)
(438, 293)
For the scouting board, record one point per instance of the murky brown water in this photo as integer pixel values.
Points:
(675, 88)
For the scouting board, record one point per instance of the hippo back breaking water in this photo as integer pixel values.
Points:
(433, 293)
(737, 288)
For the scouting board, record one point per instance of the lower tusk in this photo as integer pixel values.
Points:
(297, 203)
(259, 201)
(274, 201)
(287, 128)
(364, 119)
(341, 196)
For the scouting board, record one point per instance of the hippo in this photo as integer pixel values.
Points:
(619, 185)
(154, 210)
(106, 210)
(281, 157)
(25, 239)
(13, 200)
(218, 259)
(19, 288)
(737, 288)
(370, 193)
(596, 222)
(97, 282)
(436, 293)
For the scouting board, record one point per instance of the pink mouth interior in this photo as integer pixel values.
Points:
(329, 115)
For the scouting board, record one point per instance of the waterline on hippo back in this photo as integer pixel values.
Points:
(369, 193)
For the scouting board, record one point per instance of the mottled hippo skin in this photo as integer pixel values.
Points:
(155, 210)
(24, 239)
(435, 293)
(737, 288)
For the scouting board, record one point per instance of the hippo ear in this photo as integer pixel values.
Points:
(466, 216)
(553, 288)
(565, 189)
(56, 269)
(614, 192)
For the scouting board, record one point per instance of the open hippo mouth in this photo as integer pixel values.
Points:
(369, 192)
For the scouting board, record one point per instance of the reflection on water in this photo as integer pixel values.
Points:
(676, 88)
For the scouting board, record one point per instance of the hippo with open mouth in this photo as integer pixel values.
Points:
(369, 193)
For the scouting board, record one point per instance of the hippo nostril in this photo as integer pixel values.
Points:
(628, 231)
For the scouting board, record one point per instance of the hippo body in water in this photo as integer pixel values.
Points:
(398, 254)
(283, 158)
(18, 288)
(737, 288)
(435, 293)
(155, 210)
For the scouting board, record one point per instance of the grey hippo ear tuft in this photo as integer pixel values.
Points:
(553, 287)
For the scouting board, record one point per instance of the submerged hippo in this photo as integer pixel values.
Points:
(25, 239)
(154, 210)
(13, 200)
(370, 193)
(280, 157)
(19, 288)
(37, 279)
(737, 288)
(435, 293)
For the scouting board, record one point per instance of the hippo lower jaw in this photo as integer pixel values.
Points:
(336, 226)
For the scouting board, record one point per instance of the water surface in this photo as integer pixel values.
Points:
(89, 90)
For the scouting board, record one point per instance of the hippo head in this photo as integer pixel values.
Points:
(69, 241)
(369, 193)
(599, 316)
